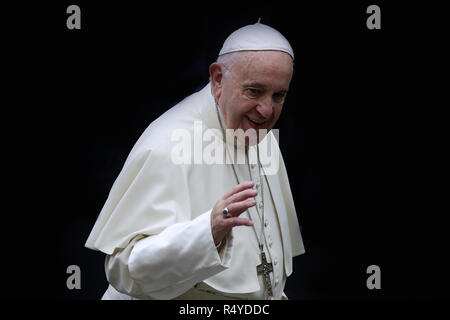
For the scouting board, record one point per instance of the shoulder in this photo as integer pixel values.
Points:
(159, 138)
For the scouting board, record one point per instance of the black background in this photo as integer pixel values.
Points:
(362, 133)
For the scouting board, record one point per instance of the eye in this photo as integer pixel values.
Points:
(279, 96)
(253, 92)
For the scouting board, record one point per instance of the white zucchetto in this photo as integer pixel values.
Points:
(255, 37)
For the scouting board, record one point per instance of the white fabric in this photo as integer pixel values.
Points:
(155, 225)
(195, 293)
(256, 37)
(273, 245)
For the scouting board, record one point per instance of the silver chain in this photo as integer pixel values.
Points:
(261, 216)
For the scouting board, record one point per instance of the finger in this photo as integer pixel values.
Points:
(240, 196)
(236, 222)
(237, 208)
(238, 188)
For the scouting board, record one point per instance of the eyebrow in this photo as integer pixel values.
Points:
(261, 86)
(255, 85)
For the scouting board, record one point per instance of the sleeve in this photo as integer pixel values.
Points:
(156, 246)
(167, 265)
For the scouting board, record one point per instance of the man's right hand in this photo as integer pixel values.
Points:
(237, 200)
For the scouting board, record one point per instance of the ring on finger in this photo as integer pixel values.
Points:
(226, 212)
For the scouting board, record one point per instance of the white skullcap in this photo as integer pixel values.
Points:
(254, 37)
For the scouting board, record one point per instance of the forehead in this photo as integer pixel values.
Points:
(270, 67)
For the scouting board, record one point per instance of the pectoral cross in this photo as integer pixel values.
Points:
(265, 269)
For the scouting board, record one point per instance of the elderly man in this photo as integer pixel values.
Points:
(180, 229)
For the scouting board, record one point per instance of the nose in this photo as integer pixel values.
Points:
(265, 107)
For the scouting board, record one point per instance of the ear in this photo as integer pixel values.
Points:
(216, 76)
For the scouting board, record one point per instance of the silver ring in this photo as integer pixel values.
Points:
(225, 212)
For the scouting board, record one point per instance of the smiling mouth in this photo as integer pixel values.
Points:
(255, 122)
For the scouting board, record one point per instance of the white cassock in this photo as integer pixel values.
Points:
(155, 226)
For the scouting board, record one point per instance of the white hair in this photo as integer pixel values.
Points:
(228, 60)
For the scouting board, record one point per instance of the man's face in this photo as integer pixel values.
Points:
(252, 93)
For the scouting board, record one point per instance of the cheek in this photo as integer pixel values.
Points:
(231, 109)
(277, 112)
(276, 116)
(239, 107)
(242, 110)
(245, 106)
